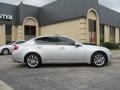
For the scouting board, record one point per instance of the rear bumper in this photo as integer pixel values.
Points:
(17, 58)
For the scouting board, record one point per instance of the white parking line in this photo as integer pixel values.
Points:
(4, 86)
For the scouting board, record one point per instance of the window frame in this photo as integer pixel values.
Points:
(71, 41)
(45, 42)
(57, 42)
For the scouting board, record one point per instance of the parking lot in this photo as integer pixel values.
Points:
(61, 76)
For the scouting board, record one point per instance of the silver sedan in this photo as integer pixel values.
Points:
(59, 49)
(7, 49)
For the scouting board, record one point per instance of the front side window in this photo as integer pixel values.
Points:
(66, 41)
(47, 41)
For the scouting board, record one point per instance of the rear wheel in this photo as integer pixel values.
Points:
(99, 59)
(33, 60)
(5, 51)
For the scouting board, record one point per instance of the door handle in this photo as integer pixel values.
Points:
(62, 48)
(39, 47)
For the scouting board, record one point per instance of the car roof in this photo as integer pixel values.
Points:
(51, 36)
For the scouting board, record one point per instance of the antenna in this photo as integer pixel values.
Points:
(21, 2)
(56, 34)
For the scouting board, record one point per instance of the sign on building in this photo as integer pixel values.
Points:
(6, 17)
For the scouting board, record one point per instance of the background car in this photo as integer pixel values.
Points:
(7, 49)
(59, 49)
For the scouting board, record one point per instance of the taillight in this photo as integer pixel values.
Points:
(16, 47)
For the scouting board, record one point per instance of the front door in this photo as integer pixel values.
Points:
(72, 53)
(69, 52)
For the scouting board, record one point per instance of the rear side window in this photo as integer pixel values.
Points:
(11, 43)
(47, 41)
(19, 42)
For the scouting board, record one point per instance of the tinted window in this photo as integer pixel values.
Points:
(47, 41)
(11, 43)
(19, 42)
(66, 41)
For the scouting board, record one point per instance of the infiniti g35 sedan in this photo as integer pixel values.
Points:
(59, 49)
(7, 49)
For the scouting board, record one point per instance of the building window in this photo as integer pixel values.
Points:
(8, 33)
(92, 31)
(30, 32)
(119, 34)
(102, 34)
(112, 34)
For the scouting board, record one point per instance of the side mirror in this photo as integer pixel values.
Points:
(77, 45)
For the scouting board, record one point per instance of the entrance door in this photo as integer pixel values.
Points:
(92, 31)
(30, 32)
(8, 33)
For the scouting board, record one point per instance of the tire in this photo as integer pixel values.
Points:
(99, 59)
(33, 60)
(5, 51)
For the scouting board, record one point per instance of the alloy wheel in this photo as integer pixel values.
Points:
(5, 52)
(33, 60)
(99, 59)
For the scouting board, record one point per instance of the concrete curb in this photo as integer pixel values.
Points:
(4, 86)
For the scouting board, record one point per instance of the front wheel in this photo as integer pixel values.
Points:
(5, 51)
(33, 60)
(99, 59)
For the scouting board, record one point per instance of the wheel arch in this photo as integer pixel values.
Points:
(4, 49)
(99, 52)
(32, 53)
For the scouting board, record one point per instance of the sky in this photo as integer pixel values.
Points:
(113, 4)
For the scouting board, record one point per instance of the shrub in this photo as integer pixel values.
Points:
(119, 45)
(110, 45)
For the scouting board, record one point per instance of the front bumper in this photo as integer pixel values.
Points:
(109, 55)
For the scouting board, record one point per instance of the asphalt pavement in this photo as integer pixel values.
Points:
(60, 76)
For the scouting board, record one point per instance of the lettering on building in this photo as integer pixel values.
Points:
(6, 17)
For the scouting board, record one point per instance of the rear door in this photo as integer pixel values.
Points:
(49, 47)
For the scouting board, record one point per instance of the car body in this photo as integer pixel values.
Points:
(7, 49)
(59, 49)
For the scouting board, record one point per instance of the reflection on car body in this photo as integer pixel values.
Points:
(59, 49)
